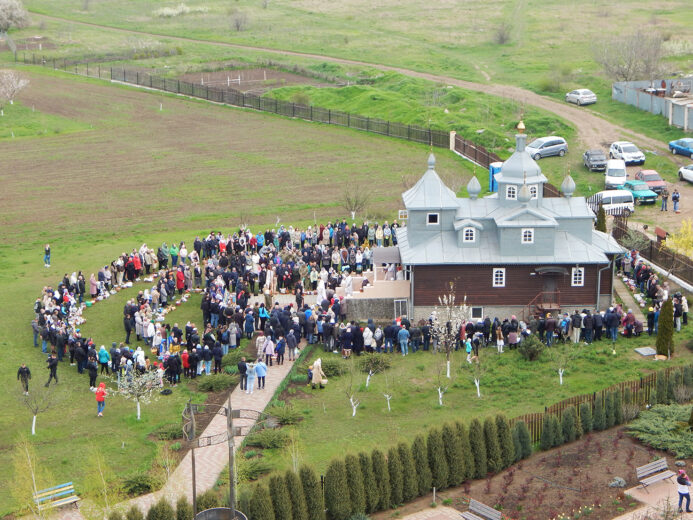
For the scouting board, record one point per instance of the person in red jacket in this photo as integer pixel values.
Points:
(186, 363)
(101, 394)
(180, 280)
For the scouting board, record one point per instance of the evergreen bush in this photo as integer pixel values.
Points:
(437, 460)
(467, 456)
(117, 515)
(453, 455)
(586, 417)
(208, 500)
(505, 439)
(671, 395)
(598, 415)
(337, 496)
(394, 469)
(494, 456)
(370, 486)
(312, 491)
(609, 409)
(547, 433)
(134, 513)
(665, 330)
(410, 486)
(419, 453)
(375, 363)
(161, 510)
(627, 396)
(382, 477)
(299, 511)
(332, 367)
(355, 483)
(268, 438)
(664, 427)
(525, 440)
(184, 510)
(478, 448)
(601, 219)
(531, 347)
(688, 376)
(618, 407)
(260, 507)
(568, 424)
(285, 415)
(661, 387)
(557, 431)
(217, 382)
(233, 357)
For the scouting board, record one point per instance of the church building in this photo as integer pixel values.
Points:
(512, 252)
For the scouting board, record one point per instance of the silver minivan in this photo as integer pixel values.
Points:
(546, 146)
(615, 202)
(615, 174)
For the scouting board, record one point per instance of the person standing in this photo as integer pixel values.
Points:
(251, 373)
(47, 256)
(92, 368)
(403, 339)
(101, 394)
(23, 376)
(684, 493)
(675, 198)
(53, 367)
(243, 371)
(260, 372)
(665, 199)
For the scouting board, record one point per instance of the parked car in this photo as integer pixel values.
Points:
(686, 173)
(546, 146)
(653, 180)
(682, 146)
(641, 193)
(581, 96)
(626, 151)
(594, 160)
(615, 174)
(619, 202)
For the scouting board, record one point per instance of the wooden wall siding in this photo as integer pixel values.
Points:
(520, 286)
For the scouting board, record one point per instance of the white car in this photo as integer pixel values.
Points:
(686, 173)
(581, 96)
(627, 152)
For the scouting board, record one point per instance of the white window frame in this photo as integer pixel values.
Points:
(577, 277)
(530, 235)
(403, 214)
(477, 315)
(428, 219)
(500, 280)
(534, 191)
(508, 189)
(473, 235)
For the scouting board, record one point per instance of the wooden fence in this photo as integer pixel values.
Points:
(640, 391)
(475, 152)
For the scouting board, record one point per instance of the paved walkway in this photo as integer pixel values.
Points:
(437, 513)
(655, 500)
(628, 300)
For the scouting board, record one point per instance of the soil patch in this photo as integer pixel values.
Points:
(558, 481)
(256, 81)
(35, 43)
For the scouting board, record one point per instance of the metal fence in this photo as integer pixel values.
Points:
(654, 97)
(474, 152)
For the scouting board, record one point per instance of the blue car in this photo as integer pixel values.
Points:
(682, 146)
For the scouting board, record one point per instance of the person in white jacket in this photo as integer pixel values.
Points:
(368, 339)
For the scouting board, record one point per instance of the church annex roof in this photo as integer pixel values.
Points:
(430, 192)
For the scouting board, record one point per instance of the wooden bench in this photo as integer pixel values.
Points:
(56, 496)
(479, 511)
(653, 472)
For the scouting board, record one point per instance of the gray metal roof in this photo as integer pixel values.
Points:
(442, 248)
(525, 216)
(386, 255)
(430, 192)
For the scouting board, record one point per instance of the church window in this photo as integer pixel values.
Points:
(534, 191)
(577, 277)
(469, 234)
(432, 219)
(527, 236)
(499, 277)
(511, 193)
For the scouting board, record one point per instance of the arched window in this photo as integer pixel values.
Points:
(534, 191)
(527, 235)
(469, 234)
(511, 192)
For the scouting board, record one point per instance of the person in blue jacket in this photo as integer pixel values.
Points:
(403, 339)
(260, 372)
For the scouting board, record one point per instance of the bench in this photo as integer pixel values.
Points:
(56, 496)
(479, 511)
(653, 472)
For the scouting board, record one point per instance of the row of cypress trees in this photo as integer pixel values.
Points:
(367, 483)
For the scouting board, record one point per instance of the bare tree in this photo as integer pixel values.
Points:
(441, 387)
(562, 356)
(12, 14)
(387, 394)
(11, 84)
(447, 320)
(350, 390)
(38, 401)
(28, 477)
(637, 56)
(239, 21)
(477, 371)
(503, 33)
(354, 201)
(100, 484)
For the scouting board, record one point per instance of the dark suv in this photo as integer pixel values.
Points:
(594, 160)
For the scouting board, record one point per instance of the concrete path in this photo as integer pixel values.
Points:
(628, 300)
(437, 513)
(655, 499)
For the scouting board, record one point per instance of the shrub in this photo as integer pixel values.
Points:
(268, 438)
(208, 500)
(117, 515)
(382, 477)
(599, 416)
(285, 415)
(337, 497)
(568, 424)
(505, 439)
(601, 219)
(370, 486)
(359, 516)
(627, 396)
(688, 375)
(334, 367)
(410, 486)
(217, 382)
(374, 362)
(134, 513)
(233, 358)
(260, 507)
(436, 459)
(419, 453)
(478, 448)
(494, 456)
(531, 348)
(682, 394)
(312, 492)
(665, 330)
(630, 412)
(671, 385)
(467, 456)
(251, 469)
(609, 410)
(524, 440)
(169, 432)
(357, 491)
(661, 388)
(281, 502)
(557, 431)
(665, 427)
(618, 407)
(586, 417)
(547, 433)
(139, 484)
(176, 446)
(184, 510)
(394, 469)
(453, 455)
(161, 510)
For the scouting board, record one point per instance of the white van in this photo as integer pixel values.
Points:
(615, 202)
(615, 174)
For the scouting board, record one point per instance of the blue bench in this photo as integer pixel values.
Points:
(57, 496)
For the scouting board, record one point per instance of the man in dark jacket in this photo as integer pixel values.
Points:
(550, 328)
(587, 326)
(217, 354)
(23, 376)
(53, 367)
(598, 324)
(128, 324)
(243, 371)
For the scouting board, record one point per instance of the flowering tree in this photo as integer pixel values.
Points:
(447, 319)
(140, 388)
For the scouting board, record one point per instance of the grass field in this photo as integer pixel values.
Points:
(137, 174)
